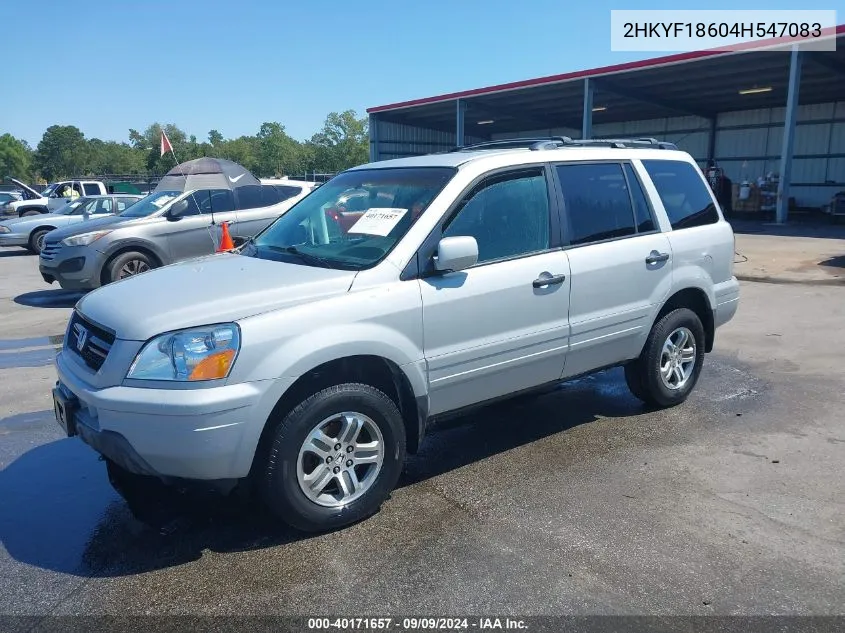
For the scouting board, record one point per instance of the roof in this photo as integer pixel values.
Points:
(459, 158)
(638, 90)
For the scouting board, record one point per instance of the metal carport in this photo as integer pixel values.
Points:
(754, 111)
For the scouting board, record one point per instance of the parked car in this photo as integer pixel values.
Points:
(6, 198)
(54, 196)
(30, 232)
(309, 364)
(164, 227)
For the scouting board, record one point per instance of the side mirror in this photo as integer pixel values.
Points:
(456, 253)
(175, 212)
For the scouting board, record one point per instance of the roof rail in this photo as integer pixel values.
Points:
(624, 142)
(556, 142)
(532, 143)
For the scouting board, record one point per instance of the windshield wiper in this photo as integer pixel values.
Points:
(315, 259)
(306, 257)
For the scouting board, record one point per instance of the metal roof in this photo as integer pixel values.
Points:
(701, 83)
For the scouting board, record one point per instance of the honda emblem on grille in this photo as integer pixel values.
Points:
(81, 336)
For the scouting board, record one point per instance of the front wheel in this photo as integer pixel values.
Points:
(668, 369)
(128, 265)
(334, 458)
(36, 241)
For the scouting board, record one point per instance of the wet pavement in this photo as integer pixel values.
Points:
(576, 502)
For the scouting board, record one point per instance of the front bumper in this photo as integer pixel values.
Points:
(74, 267)
(197, 434)
(13, 239)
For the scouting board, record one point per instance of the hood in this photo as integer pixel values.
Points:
(212, 289)
(32, 192)
(79, 228)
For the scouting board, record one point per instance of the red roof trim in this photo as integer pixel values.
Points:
(603, 70)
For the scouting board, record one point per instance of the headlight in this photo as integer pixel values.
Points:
(204, 353)
(85, 239)
(5, 229)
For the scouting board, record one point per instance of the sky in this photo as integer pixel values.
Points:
(231, 65)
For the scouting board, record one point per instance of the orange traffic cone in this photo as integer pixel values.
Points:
(226, 243)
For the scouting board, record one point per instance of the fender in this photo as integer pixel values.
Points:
(131, 243)
(691, 276)
(301, 353)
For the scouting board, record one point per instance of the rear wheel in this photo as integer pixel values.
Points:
(668, 369)
(36, 240)
(128, 265)
(334, 458)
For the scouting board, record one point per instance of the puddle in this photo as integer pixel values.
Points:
(29, 352)
(24, 343)
(29, 358)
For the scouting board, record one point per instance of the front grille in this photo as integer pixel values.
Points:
(91, 342)
(50, 250)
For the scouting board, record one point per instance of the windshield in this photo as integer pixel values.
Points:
(149, 205)
(353, 220)
(69, 207)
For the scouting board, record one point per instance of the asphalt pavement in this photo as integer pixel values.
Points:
(578, 502)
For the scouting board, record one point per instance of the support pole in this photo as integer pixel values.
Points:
(782, 209)
(459, 122)
(587, 118)
(711, 141)
(374, 142)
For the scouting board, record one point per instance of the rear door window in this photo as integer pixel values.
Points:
(91, 189)
(249, 197)
(684, 194)
(597, 202)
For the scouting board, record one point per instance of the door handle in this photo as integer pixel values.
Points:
(655, 257)
(551, 280)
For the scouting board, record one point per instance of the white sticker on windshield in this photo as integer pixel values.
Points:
(378, 221)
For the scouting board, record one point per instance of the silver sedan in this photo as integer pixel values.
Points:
(29, 232)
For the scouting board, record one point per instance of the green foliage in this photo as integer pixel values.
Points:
(15, 158)
(65, 152)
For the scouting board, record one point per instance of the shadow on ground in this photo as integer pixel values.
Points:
(60, 513)
(815, 228)
(834, 262)
(5, 252)
(49, 298)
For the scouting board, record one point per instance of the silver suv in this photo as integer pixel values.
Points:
(307, 365)
(165, 227)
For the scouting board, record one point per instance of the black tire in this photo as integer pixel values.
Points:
(30, 212)
(634, 379)
(643, 375)
(279, 483)
(35, 238)
(128, 259)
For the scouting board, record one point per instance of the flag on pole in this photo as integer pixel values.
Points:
(165, 143)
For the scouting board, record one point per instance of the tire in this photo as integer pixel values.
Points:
(644, 376)
(120, 267)
(31, 212)
(292, 458)
(36, 240)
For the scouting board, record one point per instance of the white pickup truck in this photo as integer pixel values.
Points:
(52, 197)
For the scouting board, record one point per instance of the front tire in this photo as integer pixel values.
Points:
(668, 369)
(36, 241)
(128, 265)
(335, 458)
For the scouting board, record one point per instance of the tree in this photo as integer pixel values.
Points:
(277, 152)
(109, 157)
(215, 137)
(62, 152)
(15, 158)
(342, 143)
